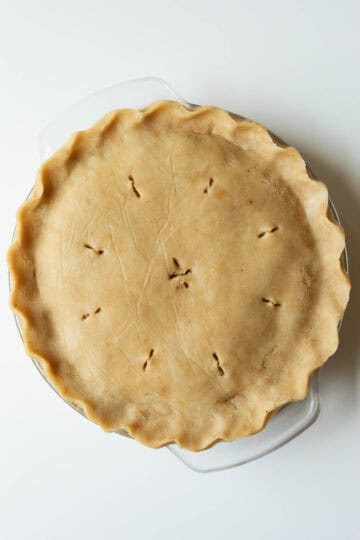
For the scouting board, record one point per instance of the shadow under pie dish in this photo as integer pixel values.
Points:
(177, 275)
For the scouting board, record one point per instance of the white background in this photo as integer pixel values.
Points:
(292, 65)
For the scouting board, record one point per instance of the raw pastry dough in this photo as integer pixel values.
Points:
(177, 274)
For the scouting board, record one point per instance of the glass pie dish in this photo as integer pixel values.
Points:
(293, 418)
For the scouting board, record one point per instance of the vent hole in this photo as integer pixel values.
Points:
(274, 229)
(132, 181)
(219, 368)
(98, 251)
(145, 364)
(272, 302)
(174, 275)
(211, 183)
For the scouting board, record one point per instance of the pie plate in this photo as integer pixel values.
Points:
(293, 418)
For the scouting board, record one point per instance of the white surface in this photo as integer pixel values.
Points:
(294, 67)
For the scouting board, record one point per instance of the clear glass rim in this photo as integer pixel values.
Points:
(314, 383)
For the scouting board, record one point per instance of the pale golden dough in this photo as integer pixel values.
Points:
(177, 274)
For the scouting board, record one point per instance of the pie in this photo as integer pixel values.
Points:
(177, 274)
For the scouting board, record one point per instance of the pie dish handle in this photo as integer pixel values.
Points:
(136, 93)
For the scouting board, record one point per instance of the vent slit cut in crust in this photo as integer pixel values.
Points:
(132, 181)
(271, 302)
(219, 368)
(256, 278)
(148, 359)
(263, 233)
(98, 251)
(211, 181)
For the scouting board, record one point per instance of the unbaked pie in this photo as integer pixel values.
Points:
(177, 274)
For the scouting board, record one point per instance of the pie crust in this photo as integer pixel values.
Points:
(177, 274)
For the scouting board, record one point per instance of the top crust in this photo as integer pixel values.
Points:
(177, 275)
